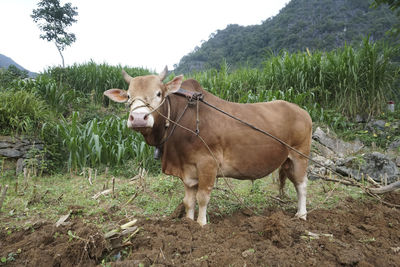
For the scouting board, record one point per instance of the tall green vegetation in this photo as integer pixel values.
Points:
(21, 112)
(107, 142)
(351, 81)
(93, 79)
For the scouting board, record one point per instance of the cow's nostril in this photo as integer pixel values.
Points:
(131, 118)
(146, 117)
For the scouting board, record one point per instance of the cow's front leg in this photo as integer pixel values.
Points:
(206, 183)
(190, 200)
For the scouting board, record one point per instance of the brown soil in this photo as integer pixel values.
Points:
(351, 234)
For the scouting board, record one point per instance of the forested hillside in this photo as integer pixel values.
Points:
(301, 24)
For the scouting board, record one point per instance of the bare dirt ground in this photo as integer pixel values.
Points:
(355, 233)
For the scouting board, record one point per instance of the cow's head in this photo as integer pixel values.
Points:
(144, 95)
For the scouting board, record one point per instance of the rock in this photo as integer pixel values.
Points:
(398, 161)
(7, 139)
(10, 153)
(361, 118)
(394, 145)
(4, 144)
(340, 147)
(322, 150)
(378, 165)
(20, 165)
(315, 170)
(375, 164)
(376, 124)
(37, 146)
(349, 167)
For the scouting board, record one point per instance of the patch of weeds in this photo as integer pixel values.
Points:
(165, 184)
(10, 257)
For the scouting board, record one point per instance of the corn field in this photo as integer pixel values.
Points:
(92, 78)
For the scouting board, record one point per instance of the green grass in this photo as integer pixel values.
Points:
(50, 197)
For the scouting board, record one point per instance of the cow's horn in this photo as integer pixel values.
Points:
(163, 74)
(126, 76)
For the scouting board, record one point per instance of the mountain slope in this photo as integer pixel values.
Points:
(5, 62)
(301, 24)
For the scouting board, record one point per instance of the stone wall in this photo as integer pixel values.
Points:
(17, 149)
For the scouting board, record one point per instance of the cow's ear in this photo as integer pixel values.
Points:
(174, 85)
(117, 95)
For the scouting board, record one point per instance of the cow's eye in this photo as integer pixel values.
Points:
(159, 94)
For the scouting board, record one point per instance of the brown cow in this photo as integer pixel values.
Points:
(237, 151)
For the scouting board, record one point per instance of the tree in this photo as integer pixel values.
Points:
(53, 19)
(394, 5)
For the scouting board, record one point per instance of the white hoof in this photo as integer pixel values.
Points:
(201, 223)
(301, 216)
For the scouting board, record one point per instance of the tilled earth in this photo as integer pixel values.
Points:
(354, 233)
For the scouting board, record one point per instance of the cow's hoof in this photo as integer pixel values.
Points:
(301, 216)
(201, 223)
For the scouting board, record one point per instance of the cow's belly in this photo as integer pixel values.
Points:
(252, 162)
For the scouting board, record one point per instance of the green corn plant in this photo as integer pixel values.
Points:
(103, 142)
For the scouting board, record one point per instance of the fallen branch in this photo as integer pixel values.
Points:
(124, 230)
(128, 224)
(317, 236)
(386, 188)
(102, 193)
(369, 191)
(62, 219)
(372, 181)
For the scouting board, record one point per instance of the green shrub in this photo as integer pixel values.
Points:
(22, 112)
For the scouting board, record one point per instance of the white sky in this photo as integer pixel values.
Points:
(136, 33)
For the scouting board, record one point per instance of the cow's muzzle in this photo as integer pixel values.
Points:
(140, 120)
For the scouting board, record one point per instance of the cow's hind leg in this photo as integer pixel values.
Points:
(282, 177)
(297, 173)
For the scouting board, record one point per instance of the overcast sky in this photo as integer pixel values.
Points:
(148, 34)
